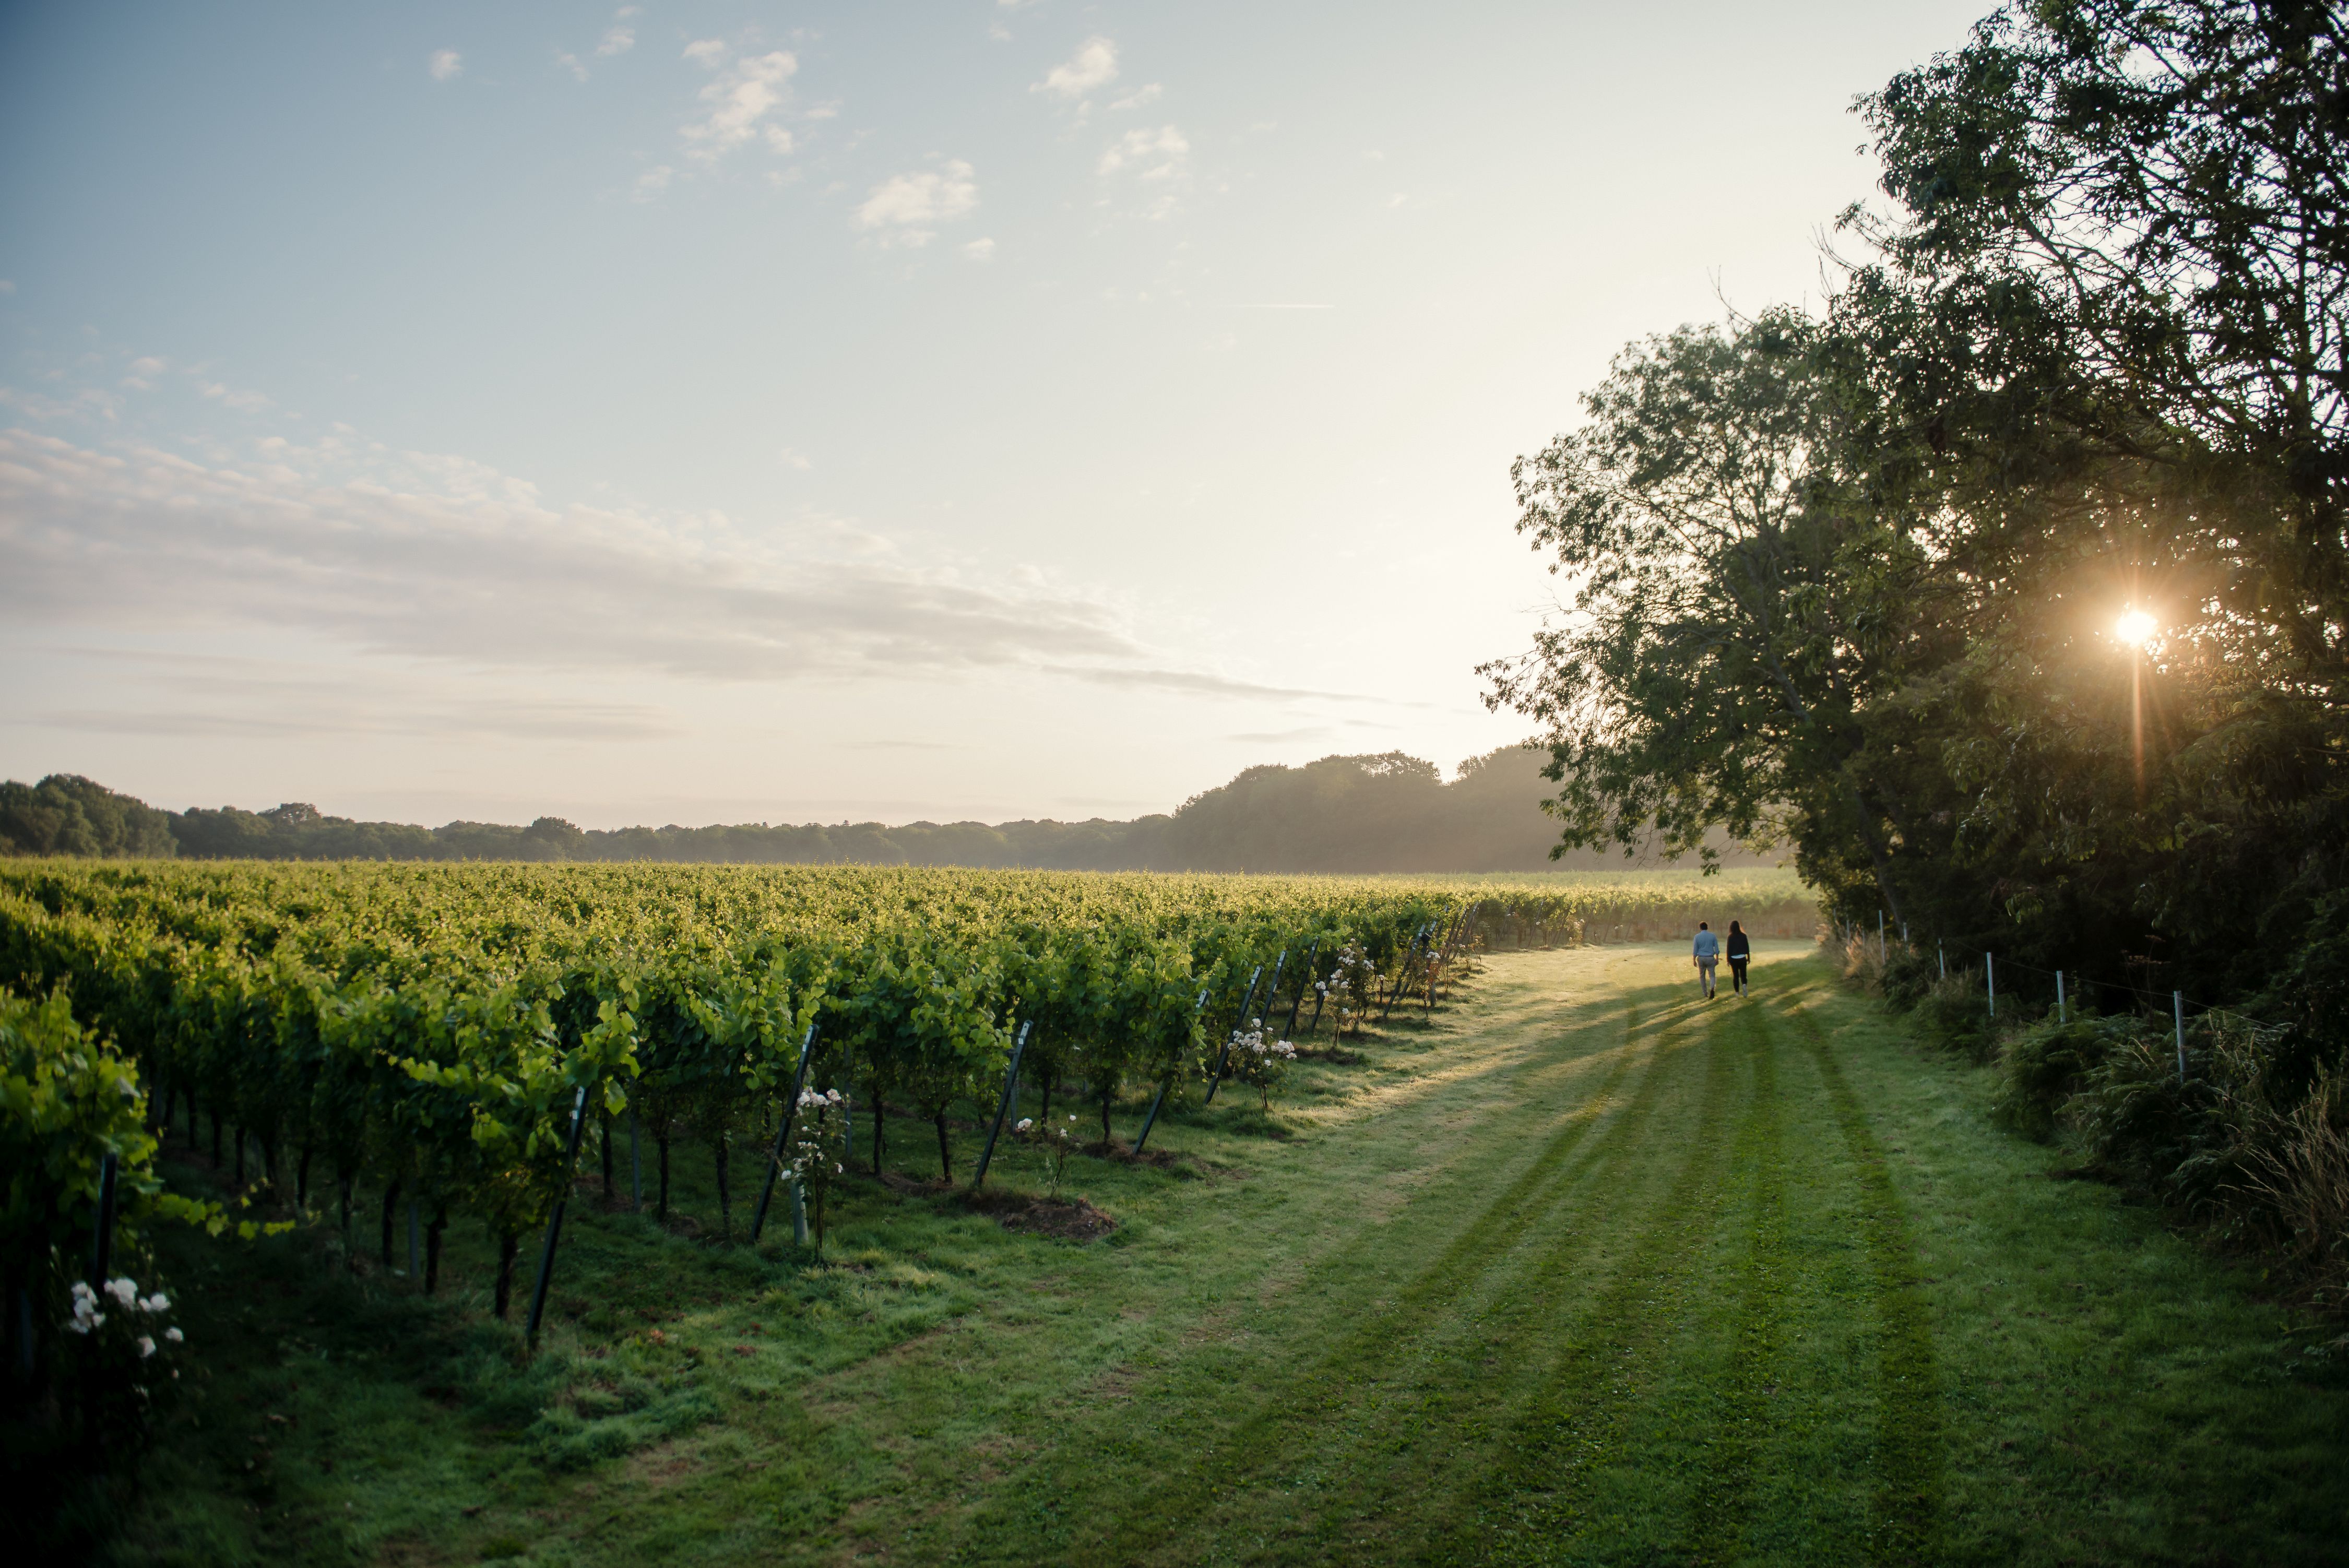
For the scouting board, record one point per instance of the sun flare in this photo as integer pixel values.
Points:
(2134, 627)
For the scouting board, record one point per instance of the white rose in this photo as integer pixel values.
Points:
(174, 1336)
(146, 1348)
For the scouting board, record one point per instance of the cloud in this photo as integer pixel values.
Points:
(1139, 97)
(738, 100)
(653, 180)
(242, 402)
(619, 41)
(980, 249)
(6, 287)
(1154, 154)
(447, 65)
(200, 696)
(142, 371)
(440, 560)
(1093, 66)
(903, 206)
(795, 460)
(1199, 684)
(578, 71)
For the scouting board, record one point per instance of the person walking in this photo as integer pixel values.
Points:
(1708, 955)
(1739, 953)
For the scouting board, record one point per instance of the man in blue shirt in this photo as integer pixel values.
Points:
(1708, 955)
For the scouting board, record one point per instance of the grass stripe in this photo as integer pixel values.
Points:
(1911, 1445)
(1723, 1497)
(1534, 1500)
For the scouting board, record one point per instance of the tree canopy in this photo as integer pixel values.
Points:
(1851, 579)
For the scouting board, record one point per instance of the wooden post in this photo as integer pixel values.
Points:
(1011, 1094)
(783, 1135)
(1159, 1097)
(101, 1236)
(1224, 1055)
(2178, 1012)
(554, 1222)
(1299, 1001)
(1404, 974)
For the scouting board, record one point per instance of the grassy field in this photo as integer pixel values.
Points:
(1585, 1270)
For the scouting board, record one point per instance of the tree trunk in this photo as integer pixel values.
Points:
(1105, 1098)
(946, 1155)
(878, 1109)
(432, 1250)
(725, 1198)
(508, 1245)
(238, 1134)
(344, 1182)
(390, 1207)
(302, 1178)
(1045, 1115)
(660, 1141)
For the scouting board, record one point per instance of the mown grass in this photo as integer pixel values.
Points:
(1582, 1270)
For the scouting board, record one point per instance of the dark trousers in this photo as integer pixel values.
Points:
(1737, 974)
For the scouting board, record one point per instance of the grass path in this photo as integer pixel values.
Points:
(1585, 1270)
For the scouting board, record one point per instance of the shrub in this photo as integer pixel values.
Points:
(2042, 1067)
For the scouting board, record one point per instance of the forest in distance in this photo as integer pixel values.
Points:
(1385, 812)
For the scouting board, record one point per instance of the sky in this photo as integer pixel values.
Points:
(730, 412)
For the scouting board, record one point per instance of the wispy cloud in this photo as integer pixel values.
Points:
(737, 101)
(1139, 97)
(1155, 157)
(439, 559)
(904, 208)
(199, 696)
(446, 65)
(980, 249)
(242, 402)
(619, 41)
(1094, 65)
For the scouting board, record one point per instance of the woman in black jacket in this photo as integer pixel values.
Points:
(1741, 952)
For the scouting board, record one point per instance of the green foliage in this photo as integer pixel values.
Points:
(66, 1102)
(65, 814)
(2041, 1068)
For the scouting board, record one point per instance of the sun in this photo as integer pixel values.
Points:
(2134, 627)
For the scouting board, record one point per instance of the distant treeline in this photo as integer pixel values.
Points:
(1387, 812)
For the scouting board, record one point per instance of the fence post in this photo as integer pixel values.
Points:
(1299, 1000)
(1011, 1094)
(101, 1237)
(554, 1222)
(1403, 975)
(2061, 1017)
(1159, 1097)
(1989, 974)
(1224, 1055)
(783, 1135)
(1883, 954)
(2178, 1012)
(1944, 955)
